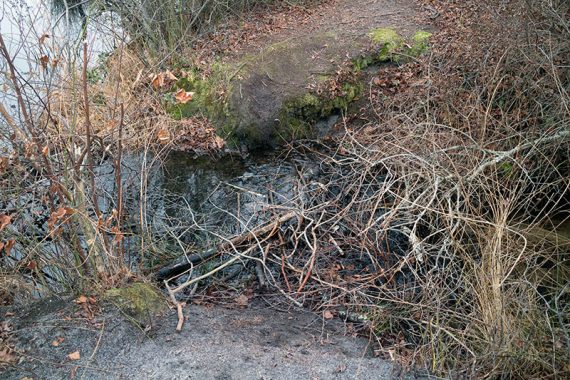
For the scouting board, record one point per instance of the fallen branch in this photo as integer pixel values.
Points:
(184, 263)
(178, 307)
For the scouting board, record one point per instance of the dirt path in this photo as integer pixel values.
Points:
(276, 60)
(350, 20)
(216, 343)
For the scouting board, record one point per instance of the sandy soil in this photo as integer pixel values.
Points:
(256, 342)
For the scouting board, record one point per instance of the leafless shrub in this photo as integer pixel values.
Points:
(445, 208)
(440, 223)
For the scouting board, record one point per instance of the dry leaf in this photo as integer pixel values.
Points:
(74, 356)
(45, 150)
(163, 136)
(32, 265)
(170, 77)
(218, 142)
(6, 356)
(8, 246)
(4, 221)
(118, 234)
(44, 61)
(81, 299)
(157, 81)
(59, 213)
(327, 314)
(57, 341)
(163, 79)
(242, 300)
(183, 96)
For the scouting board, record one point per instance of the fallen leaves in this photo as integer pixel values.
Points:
(183, 96)
(164, 79)
(88, 306)
(59, 215)
(7, 246)
(196, 134)
(4, 162)
(327, 314)
(6, 357)
(57, 341)
(163, 136)
(242, 300)
(4, 221)
(74, 355)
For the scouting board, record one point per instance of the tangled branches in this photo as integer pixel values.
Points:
(441, 223)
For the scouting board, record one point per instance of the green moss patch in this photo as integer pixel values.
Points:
(420, 43)
(389, 41)
(389, 46)
(210, 94)
(300, 113)
(140, 302)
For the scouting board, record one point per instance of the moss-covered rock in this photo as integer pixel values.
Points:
(265, 99)
(389, 46)
(420, 43)
(300, 113)
(389, 42)
(140, 302)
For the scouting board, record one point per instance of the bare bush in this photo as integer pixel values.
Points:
(438, 224)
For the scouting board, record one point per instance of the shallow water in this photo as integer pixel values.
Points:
(37, 31)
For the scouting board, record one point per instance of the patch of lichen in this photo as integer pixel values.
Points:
(140, 302)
